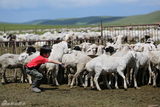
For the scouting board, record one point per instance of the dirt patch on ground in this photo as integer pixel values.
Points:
(63, 96)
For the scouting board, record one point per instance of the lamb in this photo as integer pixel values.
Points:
(28, 51)
(125, 48)
(9, 61)
(70, 61)
(154, 66)
(57, 52)
(109, 64)
(145, 58)
(142, 62)
(76, 60)
(92, 49)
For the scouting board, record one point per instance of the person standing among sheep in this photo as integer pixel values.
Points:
(33, 66)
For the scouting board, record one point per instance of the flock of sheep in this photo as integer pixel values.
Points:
(87, 63)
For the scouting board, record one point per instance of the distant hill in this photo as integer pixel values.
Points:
(150, 18)
(76, 21)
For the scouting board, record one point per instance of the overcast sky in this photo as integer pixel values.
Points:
(28, 10)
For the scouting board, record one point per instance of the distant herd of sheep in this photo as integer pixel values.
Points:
(87, 64)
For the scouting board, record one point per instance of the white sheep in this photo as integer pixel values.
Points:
(57, 52)
(9, 61)
(109, 64)
(76, 60)
(154, 66)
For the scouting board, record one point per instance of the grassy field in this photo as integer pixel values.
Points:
(7, 27)
(19, 27)
(63, 96)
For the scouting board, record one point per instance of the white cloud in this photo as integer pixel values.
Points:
(18, 4)
(76, 2)
(82, 3)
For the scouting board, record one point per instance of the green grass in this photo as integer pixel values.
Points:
(8, 27)
(24, 27)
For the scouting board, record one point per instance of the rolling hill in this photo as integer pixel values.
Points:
(76, 21)
(150, 18)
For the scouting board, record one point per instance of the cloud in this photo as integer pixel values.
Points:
(18, 4)
(77, 3)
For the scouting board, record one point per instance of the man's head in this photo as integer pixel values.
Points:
(45, 51)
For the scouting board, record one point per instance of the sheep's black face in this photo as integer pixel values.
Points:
(31, 49)
(110, 49)
(77, 48)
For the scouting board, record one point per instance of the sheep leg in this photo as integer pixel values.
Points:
(110, 79)
(56, 75)
(91, 82)
(150, 74)
(124, 79)
(90, 75)
(96, 80)
(86, 81)
(81, 77)
(155, 74)
(144, 75)
(79, 70)
(49, 76)
(127, 76)
(135, 79)
(74, 78)
(131, 74)
(106, 81)
(116, 81)
(98, 71)
(23, 75)
(15, 75)
(29, 79)
(69, 79)
(4, 80)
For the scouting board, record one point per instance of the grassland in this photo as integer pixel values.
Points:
(151, 18)
(63, 96)
(8, 27)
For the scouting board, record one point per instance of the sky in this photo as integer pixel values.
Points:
(18, 11)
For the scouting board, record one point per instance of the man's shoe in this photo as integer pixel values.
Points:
(35, 89)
